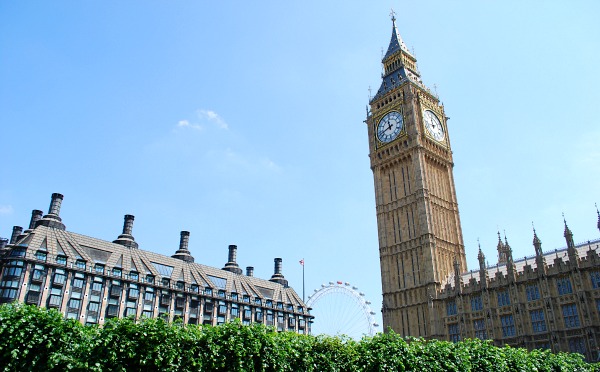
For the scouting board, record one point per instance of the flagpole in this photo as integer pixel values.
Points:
(303, 280)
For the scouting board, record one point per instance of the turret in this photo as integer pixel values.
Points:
(539, 254)
(510, 263)
(501, 251)
(572, 252)
(457, 277)
(483, 273)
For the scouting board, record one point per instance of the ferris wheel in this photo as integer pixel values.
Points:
(340, 309)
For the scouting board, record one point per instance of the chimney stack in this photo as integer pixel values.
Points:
(250, 271)
(17, 230)
(52, 219)
(231, 264)
(278, 276)
(126, 238)
(36, 215)
(183, 252)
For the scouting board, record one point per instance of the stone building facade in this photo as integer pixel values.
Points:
(549, 300)
(92, 280)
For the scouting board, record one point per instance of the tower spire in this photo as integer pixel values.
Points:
(598, 212)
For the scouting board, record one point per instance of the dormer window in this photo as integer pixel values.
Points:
(80, 264)
(61, 260)
(150, 279)
(133, 275)
(166, 282)
(41, 255)
(99, 268)
(117, 272)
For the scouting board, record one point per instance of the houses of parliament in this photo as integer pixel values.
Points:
(550, 300)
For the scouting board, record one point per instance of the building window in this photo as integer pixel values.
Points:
(532, 292)
(61, 260)
(508, 325)
(564, 286)
(234, 296)
(479, 326)
(18, 252)
(112, 310)
(577, 345)
(55, 298)
(41, 256)
(570, 315)
(117, 272)
(78, 283)
(8, 290)
(269, 303)
(180, 302)
(74, 303)
(148, 296)
(208, 291)
(80, 264)
(235, 312)
(258, 301)
(451, 308)
(246, 298)
(598, 305)
(221, 293)
(39, 273)
(454, 332)
(13, 271)
(595, 278)
(115, 290)
(59, 277)
(258, 316)
(97, 285)
(180, 285)
(270, 317)
(133, 292)
(503, 298)
(538, 323)
(166, 282)
(476, 303)
(194, 288)
(150, 279)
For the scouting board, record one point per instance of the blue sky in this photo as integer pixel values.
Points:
(244, 123)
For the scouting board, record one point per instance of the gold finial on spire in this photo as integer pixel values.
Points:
(393, 15)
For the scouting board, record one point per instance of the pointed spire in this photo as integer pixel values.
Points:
(396, 42)
(501, 250)
(573, 256)
(568, 234)
(537, 243)
(597, 212)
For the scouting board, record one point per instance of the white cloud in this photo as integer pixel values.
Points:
(187, 124)
(6, 210)
(212, 117)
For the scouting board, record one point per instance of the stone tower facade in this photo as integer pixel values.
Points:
(420, 239)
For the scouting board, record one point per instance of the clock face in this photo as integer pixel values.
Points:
(389, 126)
(433, 125)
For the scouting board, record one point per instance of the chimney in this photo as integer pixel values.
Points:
(277, 275)
(36, 215)
(3, 243)
(52, 219)
(17, 230)
(250, 271)
(231, 264)
(126, 238)
(183, 252)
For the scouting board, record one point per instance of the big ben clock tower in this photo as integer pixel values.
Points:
(420, 238)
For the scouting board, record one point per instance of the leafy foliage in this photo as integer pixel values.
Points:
(33, 339)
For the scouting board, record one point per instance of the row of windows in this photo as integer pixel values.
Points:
(538, 323)
(39, 274)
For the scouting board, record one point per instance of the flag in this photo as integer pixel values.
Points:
(302, 262)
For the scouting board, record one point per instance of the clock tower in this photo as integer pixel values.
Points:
(420, 238)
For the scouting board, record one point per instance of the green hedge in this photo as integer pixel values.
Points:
(35, 339)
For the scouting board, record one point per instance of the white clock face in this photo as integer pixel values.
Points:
(433, 125)
(389, 126)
